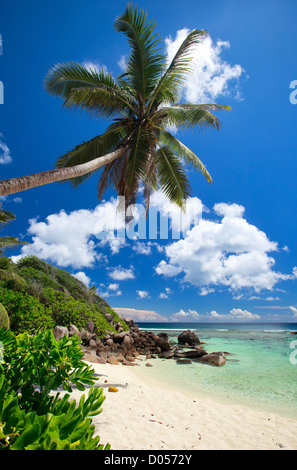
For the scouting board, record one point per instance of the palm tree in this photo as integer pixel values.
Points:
(6, 217)
(137, 147)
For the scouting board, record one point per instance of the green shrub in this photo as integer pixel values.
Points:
(34, 262)
(5, 263)
(4, 318)
(26, 313)
(31, 417)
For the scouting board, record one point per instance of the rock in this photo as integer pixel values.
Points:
(128, 340)
(90, 327)
(128, 363)
(119, 337)
(110, 342)
(166, 355)
(109, 317)
(59, 332)
(88, 356)
(188, 336)
(93, 343)
(162, 343)
(129, 322)
(192, 354)
(183, 361)
(73, 330)
(213, 359)
(113, 360)
(148, 364)
(164, 336)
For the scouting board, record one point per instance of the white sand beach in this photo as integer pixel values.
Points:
(144, 415)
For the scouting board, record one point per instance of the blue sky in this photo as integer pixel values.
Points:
(244, 268)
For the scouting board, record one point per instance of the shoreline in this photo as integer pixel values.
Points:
(144, 415)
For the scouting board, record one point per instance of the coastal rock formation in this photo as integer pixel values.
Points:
(123, 347)
(188, 337)
(215, 359)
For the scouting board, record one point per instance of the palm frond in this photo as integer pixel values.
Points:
(183, 152)
(6, 216)
(171, 176)
(167, 87)
(146, 62)
(187, 116)
(93, 91)
(10, 242)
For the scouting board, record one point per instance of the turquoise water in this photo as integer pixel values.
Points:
(258, 372)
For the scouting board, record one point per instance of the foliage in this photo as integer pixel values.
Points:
(7, 242)
(38, 295)
(4, 318)
(31, 417)
(144, 104)
(26, 313)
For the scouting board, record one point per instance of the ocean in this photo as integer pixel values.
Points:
(260, 371)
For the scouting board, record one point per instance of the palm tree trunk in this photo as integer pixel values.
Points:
(15, 185)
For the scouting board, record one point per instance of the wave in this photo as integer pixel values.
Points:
(166, 329)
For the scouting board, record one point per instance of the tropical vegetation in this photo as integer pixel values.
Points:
(32, 417)
(137, 148)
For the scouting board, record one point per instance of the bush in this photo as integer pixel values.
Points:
(31, 417)
(4, 318)
(25, 312)
(34, 262)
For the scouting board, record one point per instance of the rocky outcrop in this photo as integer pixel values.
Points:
(188, 337)
(215, 359)
(123, 347)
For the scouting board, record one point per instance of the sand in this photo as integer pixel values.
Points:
(144, 415)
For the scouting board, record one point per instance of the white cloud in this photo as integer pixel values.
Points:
(121, 274)
(5, 156)
(112, 290)
(235, 314)
(229, 252)
(17, 200)
(165, 295)
(212, 76)
(141, 315)
(93, 64)
(113, 286)
(73, 239)
(182, 315)
(142, 248)
(294, 310)
(65, 239)
(143, 294)
(81, 276)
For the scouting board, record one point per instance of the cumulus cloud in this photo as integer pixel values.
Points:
(235, 314)
(72, 239)
(187, 316)
(212, 76)
(143, 294)
(5, 156)
(165, 295)
(65, 239)
(81, 276)
(229, 252)
(143, 248)
(121, 274)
